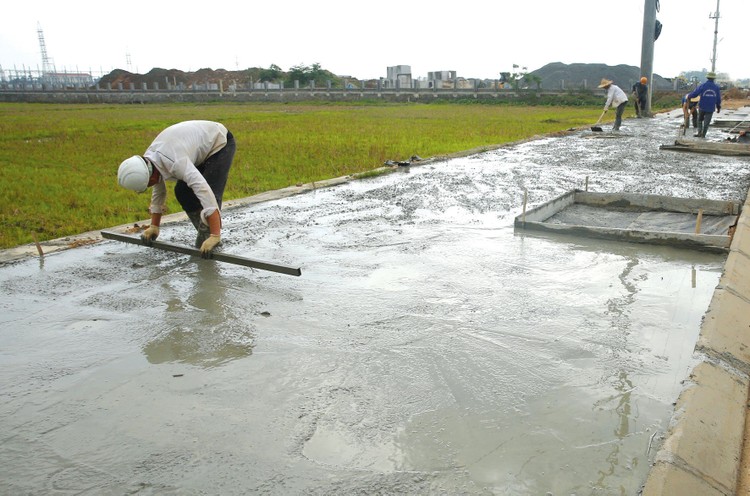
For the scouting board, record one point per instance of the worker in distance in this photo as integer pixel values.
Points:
(710, 101)
(615, 98)
(197, 155)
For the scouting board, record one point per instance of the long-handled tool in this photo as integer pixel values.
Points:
(738, 125)
(596, 128)
(218, 256)
(686, 115)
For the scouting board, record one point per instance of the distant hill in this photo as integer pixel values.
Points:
(577, 76)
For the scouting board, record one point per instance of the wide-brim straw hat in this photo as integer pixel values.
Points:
(605, 82)
(711, 75)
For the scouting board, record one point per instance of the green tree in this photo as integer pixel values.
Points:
(515, 77)
(533, 79)
(304, 74)
(273, 73)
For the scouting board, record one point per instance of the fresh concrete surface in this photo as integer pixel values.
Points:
(428, 349)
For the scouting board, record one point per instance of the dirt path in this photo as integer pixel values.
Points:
(734, 104)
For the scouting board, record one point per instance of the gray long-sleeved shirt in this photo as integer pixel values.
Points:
(177, 151)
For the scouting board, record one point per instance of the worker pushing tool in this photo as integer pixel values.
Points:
(640, 97)
(615, 98)
(198, 156)
(690, 109)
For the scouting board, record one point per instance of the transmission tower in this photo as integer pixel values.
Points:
(716, 34)
(47, 64)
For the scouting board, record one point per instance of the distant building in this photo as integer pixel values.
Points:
(441, 79)
(67, 79)
(399, 76)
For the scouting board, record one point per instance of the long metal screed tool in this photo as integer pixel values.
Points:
(219, 257)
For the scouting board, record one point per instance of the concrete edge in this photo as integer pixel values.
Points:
(55, 245)
(702, 451)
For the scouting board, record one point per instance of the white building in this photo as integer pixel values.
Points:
(399, 76)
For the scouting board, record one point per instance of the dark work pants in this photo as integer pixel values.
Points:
(704, 119)
(694, 116)
(641, 104)
(215, 170)
(618, 115)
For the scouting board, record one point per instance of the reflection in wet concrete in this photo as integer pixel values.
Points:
(427, 348)
(204, 329)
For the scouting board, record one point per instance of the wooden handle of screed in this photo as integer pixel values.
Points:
(525, 197)
(698, 222)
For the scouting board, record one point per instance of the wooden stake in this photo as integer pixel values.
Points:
(586, 187)
(38, 246)
(698, 223)
(525, 197)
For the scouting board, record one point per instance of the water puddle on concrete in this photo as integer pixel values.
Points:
(426, 348)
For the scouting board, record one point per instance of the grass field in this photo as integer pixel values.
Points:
(58, 163)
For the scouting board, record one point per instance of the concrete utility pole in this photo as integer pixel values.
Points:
(716, 35)
(647, 48)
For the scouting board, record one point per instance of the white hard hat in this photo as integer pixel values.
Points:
(134, 174)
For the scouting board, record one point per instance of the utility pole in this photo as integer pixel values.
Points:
(647, 49)
(715, 16)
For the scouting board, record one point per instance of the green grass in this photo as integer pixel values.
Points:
(58, 163)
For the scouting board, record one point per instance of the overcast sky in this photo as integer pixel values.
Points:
(361, 38)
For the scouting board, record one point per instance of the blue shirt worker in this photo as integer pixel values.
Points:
(617, 98)
(710, 95)
(197, 156)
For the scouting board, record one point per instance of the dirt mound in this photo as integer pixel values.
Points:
(174, 77)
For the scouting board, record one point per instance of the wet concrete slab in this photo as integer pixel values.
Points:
(427, 347)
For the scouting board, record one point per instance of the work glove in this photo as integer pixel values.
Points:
(208, 245)
(150, 234)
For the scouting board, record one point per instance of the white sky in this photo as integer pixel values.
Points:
(361, 38)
